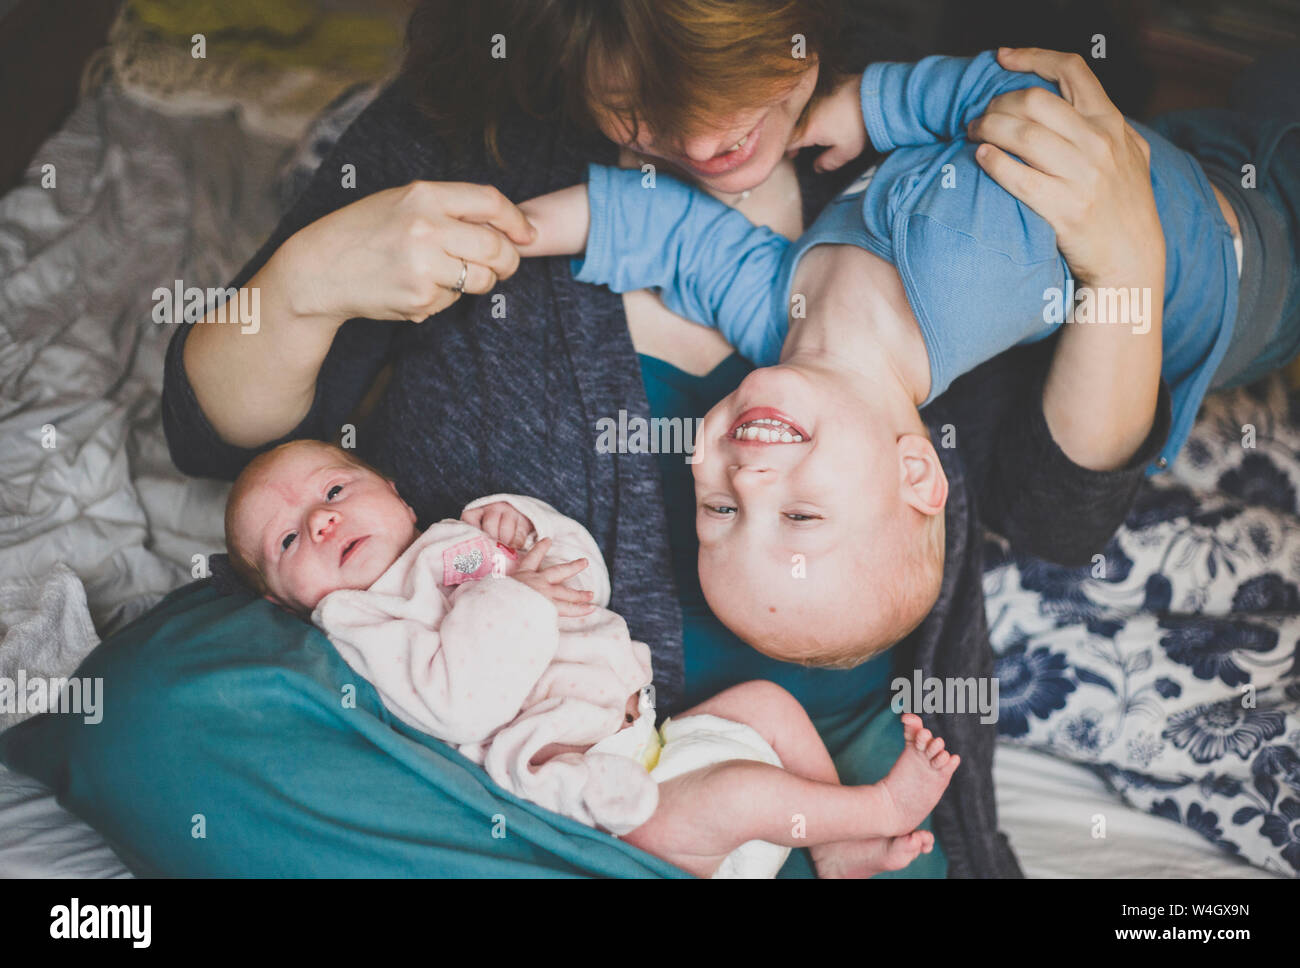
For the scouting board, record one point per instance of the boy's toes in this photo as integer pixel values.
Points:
(940, 759)
(935, 747)
(911, 723)
(923, 738)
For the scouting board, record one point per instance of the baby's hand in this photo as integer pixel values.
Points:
(550, 581)
(501, 522)
(561, 219)
(835, 123)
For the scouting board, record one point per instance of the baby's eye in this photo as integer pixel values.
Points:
(796, 516)
(721, 508)
(288, 540)
(330, 494)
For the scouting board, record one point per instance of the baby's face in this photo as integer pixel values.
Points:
(313, 524)
(784, 466)
(794, 529)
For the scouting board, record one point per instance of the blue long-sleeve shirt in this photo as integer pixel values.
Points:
(981, 270)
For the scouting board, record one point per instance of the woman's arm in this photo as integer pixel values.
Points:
(1090, 179)
(389, 248)
(397, 254)
(1058, 436)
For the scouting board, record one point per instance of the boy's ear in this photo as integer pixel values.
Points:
(923, 483)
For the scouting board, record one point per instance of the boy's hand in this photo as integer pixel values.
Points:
(501, 522)
(561, 219)
(550, 581)
(836, 123)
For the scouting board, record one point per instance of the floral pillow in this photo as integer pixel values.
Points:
(1170, 662)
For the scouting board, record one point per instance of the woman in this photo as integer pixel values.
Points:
(502, 394)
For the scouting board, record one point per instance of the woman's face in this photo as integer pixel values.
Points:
(736, 154)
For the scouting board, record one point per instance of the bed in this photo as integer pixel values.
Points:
(96, 525)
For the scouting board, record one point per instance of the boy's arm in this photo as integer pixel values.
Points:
(933, 99)
(710, 263)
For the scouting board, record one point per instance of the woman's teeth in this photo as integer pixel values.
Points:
(768, 431)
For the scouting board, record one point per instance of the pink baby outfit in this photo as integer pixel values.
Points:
(458, 649)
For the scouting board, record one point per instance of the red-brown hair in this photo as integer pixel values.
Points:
(676, 65)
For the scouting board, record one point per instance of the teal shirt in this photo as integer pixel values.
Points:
(850, 708)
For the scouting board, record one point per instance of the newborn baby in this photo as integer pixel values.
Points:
(491, 633)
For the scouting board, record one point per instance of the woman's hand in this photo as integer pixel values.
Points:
(836, 124)
(398, 254)
(550, 581)
(1091, 180)
(1086, 171)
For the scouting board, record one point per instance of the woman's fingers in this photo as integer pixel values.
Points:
(1038, 145)
(485, 204)
(1078, 84)
(445, 273)
(1036, 106)
(1037, 190)
(481, 244)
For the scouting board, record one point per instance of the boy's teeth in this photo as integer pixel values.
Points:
(739, 144)
(768, 431)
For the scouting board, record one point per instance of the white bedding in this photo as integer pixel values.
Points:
(143, 199)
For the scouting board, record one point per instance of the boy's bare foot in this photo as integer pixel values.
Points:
(867, 858)
(918, 778)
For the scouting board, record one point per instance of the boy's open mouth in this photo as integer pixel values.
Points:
(350, 547)
(764, 425)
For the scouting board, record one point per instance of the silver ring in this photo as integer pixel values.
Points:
(464, 271)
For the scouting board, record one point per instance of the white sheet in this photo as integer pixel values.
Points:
(1048, 808)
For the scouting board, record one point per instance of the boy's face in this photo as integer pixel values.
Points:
(790, 525)
(313, 523)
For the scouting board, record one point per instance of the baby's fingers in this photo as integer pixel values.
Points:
(535, 555)
(564, 571)
(563, 593)
(570, 610)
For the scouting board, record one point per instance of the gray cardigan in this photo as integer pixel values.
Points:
(479, 405)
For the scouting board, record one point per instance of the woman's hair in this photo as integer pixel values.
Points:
(674, 65)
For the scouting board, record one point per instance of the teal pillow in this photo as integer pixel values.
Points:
(236, 741)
